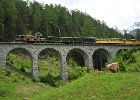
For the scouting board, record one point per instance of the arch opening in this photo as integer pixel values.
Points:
(49, 66)
(77, 59)
(100, 58)
(20, 60)
(120, 51)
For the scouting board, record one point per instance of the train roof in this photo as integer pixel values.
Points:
(71, 37)
(26, 35)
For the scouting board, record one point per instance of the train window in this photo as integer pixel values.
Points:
(21, 36)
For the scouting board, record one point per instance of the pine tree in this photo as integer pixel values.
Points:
(1, 23)
(22, 18)
(9, 20)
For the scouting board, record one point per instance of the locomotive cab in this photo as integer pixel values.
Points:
(28, 38)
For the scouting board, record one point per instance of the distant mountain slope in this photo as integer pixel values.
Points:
(132, 30)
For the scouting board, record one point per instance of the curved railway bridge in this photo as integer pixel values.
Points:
(92, 54)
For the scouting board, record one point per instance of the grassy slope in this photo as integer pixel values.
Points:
(94, 85)
(97, 86)
(15, 85)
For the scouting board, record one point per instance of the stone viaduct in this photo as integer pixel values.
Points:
(87, 52)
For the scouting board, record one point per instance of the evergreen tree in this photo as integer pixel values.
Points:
(44, 23)
(51, 21)
(62, 18)
(22, 17)
(9, 20)
(1, 23)
(37, 11)
(88, 26)
(77, 22)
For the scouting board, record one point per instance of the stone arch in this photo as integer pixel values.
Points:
(100, 57)
(49, 69)
(22, 51)
(51, 49)
(81, 53)
(13, 49)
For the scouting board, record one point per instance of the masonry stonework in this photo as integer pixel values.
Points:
(62, 50)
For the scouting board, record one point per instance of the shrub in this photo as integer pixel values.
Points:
(134, 68)
(22, 69)
(4, 92)
(77, 72)
(128, 60)
(50, 79)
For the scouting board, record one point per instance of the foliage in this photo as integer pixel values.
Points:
(25, 17)
(74, 70)
(49, 67)
(77, 72)
(9, 20)
(51, 80)
(22, 69)
(20, 62)
(128, 60)
(4, 92)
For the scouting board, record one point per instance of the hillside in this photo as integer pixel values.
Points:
(15, 85)
(95, 85)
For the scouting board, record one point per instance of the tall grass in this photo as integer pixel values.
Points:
(97, 86)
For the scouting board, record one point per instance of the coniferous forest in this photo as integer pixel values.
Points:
(25, 17)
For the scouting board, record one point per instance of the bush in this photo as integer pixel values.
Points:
(77, 72)
(128, 60)
(135, 68)
(4, 92)
(50, 79)
(8, 73)
(22, 69)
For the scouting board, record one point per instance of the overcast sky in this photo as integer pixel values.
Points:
(120, 13)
